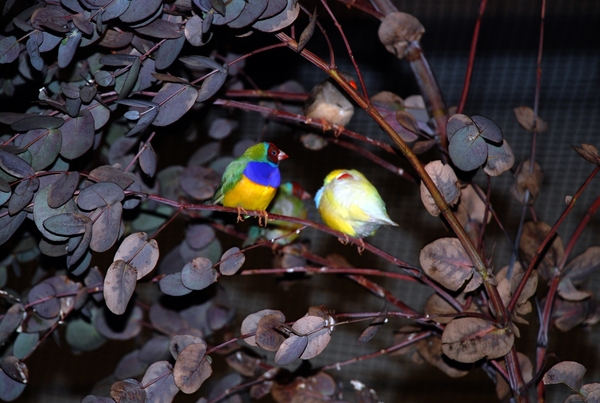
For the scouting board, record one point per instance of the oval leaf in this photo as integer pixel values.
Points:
(119, 285)
(471, 339)
(231, 261)
(139, 253)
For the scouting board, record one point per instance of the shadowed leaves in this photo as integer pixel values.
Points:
(267, 331)
(447, 183)
(231, 261)
(191, 368)
(588, 152)
(128, 390)
(525, 117)
(119, 285)
(527, 181)
(310, 338)
(161, 388)
(471, 339)
(139, 253)
(568, 372)
(174, 100)
(532, 237)
(446, 261)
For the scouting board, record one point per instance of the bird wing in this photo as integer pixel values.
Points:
(232, 175)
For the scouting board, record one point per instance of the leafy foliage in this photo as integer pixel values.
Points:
(81, 179)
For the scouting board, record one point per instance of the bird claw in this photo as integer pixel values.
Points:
(264, 215)
(345, 240)
(361, 246)
(337, 130)
(240, 210)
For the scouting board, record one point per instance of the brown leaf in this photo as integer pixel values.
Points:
(318, 388)
(580, 268)
(588, 152)
(567, 290)
(445, 180)
(568, 372)
(437, 305)
(191, 368)
(471, 207)
(307, 33)
(525, 118)
(250, 323)
(532, 237)
(407, 121)
(397, 29)
(446, 261)
(524, 180)
(471, 339)
(569, 314)
(431, 351)
(502, 387)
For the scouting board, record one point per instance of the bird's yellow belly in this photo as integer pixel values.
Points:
(249, 195)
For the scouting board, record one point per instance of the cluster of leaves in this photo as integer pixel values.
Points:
(144, 74)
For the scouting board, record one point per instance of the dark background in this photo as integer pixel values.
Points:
(504, 77)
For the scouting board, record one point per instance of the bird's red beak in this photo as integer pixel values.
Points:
(281, 156)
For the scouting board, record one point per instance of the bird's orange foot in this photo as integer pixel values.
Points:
(264, 215)
(240, 210)
(327, 126)
(361, 246)
(337, 130)
(345, 240)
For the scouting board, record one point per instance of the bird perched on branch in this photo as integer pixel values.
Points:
(250, 181)
(328, 103)
(349, 203)
(288, 202)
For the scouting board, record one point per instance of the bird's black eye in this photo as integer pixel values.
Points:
(273, 152)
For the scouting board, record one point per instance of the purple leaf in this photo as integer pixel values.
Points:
(119, 285)
(281, 20)
(180, 341)
(147, 159)
(68, 47)
(168, 52)
(174, 100)
(115, 327)
(10, 321)
(212, 84)
(198, 274)
(67, 224)
(63, 189)
(140, 9)
(221, 128)
(233, 9)
(77, 135)
(161, 29)
(9, 49)
(194, 32)
(161, 388)
(9, 388)
(50, 307)
(172, 285)
(231, 261)
(251, 12)
(197, 236)
(107, 228)
(139, 253)
(199, 182)
(191, 368)
(14, 165)
(42, 211)
(9, 224)
(291, 349)
(14, 368)
(99, 195)
(165, 320)
(22, 195)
